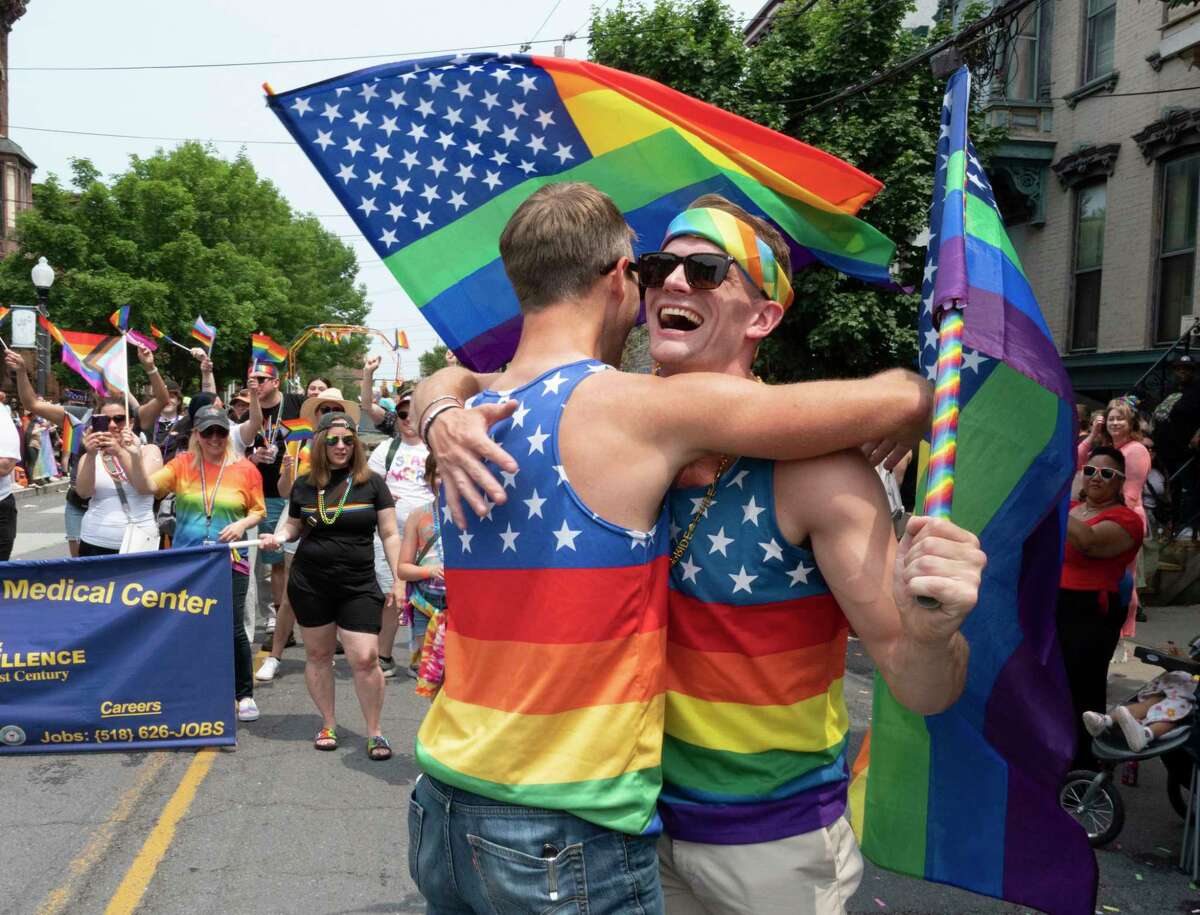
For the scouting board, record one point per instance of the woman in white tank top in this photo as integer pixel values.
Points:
(100, 472)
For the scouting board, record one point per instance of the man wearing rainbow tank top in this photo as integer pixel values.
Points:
(779, 562)
(542, 753)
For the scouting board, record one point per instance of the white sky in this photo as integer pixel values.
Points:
(227, 104)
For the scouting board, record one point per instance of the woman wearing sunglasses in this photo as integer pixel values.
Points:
(110, 449)
(1103, 537)
(335, 510)
(218, 497)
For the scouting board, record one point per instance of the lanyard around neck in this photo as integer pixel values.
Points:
(209, 506)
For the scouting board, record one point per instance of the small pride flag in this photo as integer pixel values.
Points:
(120, 319)
(401, 340)
(204, 332)
(4, 310)
(298, 430)
(266, 349)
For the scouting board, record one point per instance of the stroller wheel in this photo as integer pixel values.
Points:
(1097, 807)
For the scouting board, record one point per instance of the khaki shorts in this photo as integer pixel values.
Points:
(811, 874)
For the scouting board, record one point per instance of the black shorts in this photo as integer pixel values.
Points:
(353, 602)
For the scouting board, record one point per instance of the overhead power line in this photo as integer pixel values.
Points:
(1000, 14)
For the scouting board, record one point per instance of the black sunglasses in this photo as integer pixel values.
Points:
(630, 268)
(332, 441)
(336, 408)
(214, 432)
(704, 270)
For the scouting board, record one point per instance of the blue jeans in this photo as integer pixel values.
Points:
(470, 855)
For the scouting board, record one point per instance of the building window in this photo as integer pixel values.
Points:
(1101, 38)
(1021, 73)
(1177, 252)
(1091, 207)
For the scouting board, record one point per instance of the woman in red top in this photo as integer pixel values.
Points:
(1103, 536)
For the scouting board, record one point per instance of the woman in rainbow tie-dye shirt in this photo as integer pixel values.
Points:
(218, 497)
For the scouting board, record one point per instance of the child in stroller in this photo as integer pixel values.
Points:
(1159, 707)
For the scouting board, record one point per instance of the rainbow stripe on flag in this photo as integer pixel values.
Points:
(72, 440)
(120, 319)
(97, 359)
(4, 310)
(265, 349)
(970, 797)
(298, 430)
(204, 332)
(401, 339)
(488, 130)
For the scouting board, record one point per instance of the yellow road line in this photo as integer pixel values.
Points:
(125, 900)
(100, 842)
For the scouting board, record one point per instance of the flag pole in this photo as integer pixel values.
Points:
(943, 447)
(125, 356)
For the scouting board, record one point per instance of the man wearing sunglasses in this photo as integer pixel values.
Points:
(401, 463)
(556, 664)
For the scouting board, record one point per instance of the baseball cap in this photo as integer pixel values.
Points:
(207, 417)
(329, 420)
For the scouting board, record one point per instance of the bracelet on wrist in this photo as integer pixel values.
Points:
(433, 416)
(437, 400)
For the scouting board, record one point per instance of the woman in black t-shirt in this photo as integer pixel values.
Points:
(335, 510)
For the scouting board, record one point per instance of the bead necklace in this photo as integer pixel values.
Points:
(325, 517)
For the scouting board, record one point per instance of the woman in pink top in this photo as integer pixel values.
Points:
(1122, 428)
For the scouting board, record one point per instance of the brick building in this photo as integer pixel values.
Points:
(16, 168)
(1099, 174)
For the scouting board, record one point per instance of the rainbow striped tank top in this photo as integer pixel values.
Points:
(555, 639)
(755, 746)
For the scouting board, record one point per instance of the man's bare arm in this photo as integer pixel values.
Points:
(837, 501)
(690, 415)
(33, 403)
(366, 391)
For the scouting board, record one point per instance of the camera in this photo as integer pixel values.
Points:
(100, 423)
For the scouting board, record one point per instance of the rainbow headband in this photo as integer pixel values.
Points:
(739, 241)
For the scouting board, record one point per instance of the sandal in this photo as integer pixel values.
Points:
(326, 739)
(378, 748)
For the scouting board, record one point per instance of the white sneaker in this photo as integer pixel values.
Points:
(1093, 722)
(266, 673)
(247, 709)
(1136, 734)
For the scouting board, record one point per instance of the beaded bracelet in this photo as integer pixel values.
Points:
(434, 415)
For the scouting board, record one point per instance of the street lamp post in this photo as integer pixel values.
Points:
(42, 275)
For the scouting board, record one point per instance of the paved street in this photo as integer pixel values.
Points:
(275, 827)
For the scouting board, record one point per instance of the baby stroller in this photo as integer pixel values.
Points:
(1092, 797)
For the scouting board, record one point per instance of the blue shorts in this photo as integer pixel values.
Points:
(276, 506)
(74, 521)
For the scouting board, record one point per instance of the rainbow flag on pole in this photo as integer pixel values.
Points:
(265, 349)
(120, 319)
(4, 310)
(970, 797)
(481, 132)
(401, 339)
(204, 332)
(97, 359)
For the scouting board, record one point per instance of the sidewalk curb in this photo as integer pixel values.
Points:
(44, 489)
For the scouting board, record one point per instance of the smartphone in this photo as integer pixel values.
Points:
(100, 423)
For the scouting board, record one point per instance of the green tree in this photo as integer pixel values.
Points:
(432, 360)
(838, 326)
(185, 233)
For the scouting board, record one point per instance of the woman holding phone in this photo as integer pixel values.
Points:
(110, 449)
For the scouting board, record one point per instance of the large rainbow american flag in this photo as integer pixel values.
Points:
(970, 797)
(431, 157)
